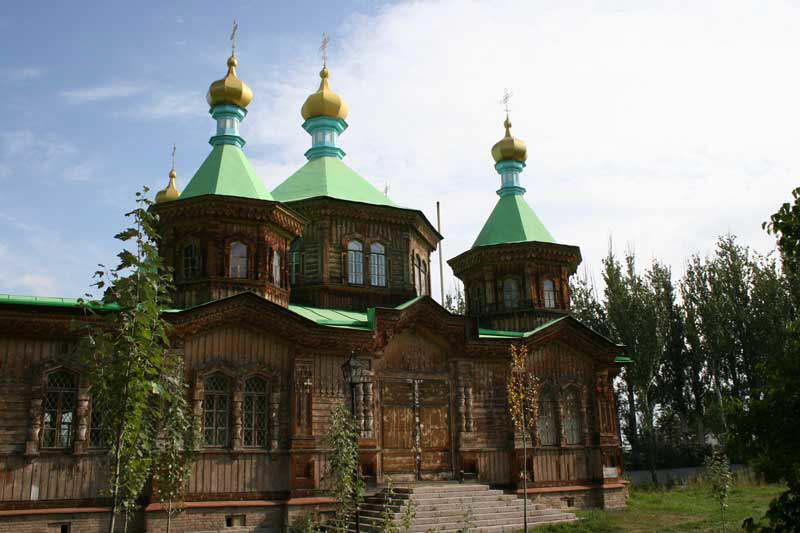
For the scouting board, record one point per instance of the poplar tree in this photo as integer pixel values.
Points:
(523, 406)
(137, 384)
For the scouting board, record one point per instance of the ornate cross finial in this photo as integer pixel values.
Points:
(233, 37)
(506, 99)
(324, 48)
(173, 156)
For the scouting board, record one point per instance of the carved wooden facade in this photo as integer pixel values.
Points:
(429, 396)
(323, 274)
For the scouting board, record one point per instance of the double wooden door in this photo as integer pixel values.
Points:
(416, 429)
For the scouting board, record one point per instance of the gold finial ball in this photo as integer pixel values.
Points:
(230, 89)
(170, 192)
(324, 102)
(509, 148)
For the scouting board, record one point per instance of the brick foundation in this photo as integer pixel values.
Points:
(611, 497)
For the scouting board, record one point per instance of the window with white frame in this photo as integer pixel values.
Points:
(549, 292)
(355, 262)
(377, 265)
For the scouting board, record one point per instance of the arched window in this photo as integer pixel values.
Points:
(476, 299)
(276, 268)
(355, 262)
(572, 417)
(191, 261)
(294, 261)
(216, 410)
(377, 265)
(420, 271)
(238, 262)
(254, 413)
(60, 397)
(549, 292)
(546, 425)
(510, 293)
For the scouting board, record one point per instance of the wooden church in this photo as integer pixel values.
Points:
(291, 301)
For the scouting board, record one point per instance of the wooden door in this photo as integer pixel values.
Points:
(434, 430)
(416, 429)
(397, 429)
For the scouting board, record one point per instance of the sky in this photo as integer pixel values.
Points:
(657, 126)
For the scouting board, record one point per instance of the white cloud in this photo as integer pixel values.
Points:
(23, 73)
(102, 92)
(661, 125)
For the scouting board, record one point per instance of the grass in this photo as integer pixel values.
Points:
(689, 508)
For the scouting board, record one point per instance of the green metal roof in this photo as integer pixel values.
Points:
(502, 334)
(512, 220)
(333, 317)
(329, 176)
(48, 301)
(227, 172)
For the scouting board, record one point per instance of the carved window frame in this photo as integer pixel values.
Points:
(250, 260)
(237, 377)
(35, 434)
(566, 418)
(544, 404)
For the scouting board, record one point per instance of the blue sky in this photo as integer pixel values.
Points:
(660, 127)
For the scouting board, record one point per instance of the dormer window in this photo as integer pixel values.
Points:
(238, 260)
(355, 263)
(549, 293)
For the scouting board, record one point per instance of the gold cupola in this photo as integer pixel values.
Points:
(509, 148)
(324, 102)
(169, 193)
(230, 89)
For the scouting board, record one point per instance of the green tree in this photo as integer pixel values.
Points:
(585, 306)
(454, 300)
(718, 473)
(134, 377)
(346, 483)
(523, 406)
(766, 428)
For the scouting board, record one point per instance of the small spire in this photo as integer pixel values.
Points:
(505, 101)
(323, 48)
(170, 192)
(233, 38)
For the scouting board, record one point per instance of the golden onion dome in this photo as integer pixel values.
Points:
(171, 192)
(230, 89)
(509, 148)
(324, 102)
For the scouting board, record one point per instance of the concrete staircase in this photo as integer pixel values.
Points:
(454, 507)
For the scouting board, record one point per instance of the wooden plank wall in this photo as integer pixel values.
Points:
(51, 478)
(247, 472)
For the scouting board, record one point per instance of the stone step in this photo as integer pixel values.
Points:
(451, 507)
